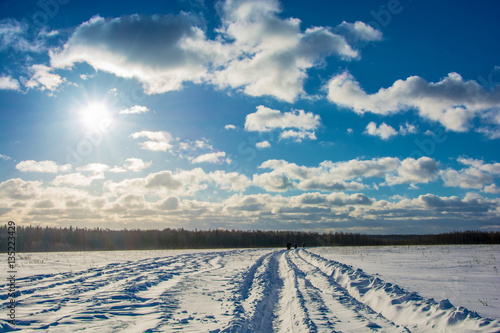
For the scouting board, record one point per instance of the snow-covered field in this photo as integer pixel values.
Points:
(387, 289)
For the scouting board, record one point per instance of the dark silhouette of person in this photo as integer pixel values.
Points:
(295, 245)
(288, 246)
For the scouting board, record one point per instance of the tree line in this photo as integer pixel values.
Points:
(47, 239)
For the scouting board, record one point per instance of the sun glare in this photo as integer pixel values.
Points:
(96, 116)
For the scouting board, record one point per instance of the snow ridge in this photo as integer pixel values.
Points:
(418, 314)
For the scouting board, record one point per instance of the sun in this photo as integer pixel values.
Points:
(96, 116)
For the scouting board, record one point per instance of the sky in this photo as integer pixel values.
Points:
(378, 117)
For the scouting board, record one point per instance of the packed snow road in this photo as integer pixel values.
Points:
(250, 290)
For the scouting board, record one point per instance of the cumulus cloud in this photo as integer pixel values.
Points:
(325, 183)
(18, 189)
(298, 136)
(158, 141)
(299, 124)
(42, 78)
(273, 54)
(453, 102)
(477, 175)
(42, 166)
(359, 31)
(171, 203)
(343, 176)
(97, 169)
(8, 83)
(151, 198)
(469, 204)
(493, 189)
(163, 179)
(407, 128)
(161, 51)
(273, 181)
(134, 110)
(181, 182)
(229, 180)
(73, 179)
(263, 144)
(136, 164)
(216, 157)
(413, 171)
(254, 50)
(383, 131)
(230, 127)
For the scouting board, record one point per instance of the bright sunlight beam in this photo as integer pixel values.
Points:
(96, 116)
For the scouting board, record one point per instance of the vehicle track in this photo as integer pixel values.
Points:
(250, 290)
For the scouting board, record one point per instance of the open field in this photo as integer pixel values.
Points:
(387, 289)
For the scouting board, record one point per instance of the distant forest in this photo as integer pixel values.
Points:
(40, 239)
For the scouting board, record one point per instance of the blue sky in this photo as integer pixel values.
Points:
(361, 116)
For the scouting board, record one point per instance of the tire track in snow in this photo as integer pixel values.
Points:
(293, 314)
(111, 293)
(249, 290)
(405, 308)
(331, 306)
(257, 296)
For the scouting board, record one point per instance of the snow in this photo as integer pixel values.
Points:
(467, 275)
(387, 289)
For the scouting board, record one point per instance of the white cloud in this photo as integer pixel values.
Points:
(384, 131)
(42, 78)
(491, 133)
(161, 51)
(452, 101)
(171, 203)
(413, 171)
(273, 181)
(230, 127)
(5, 157)
(300, 124)
(326, 183)
(477, 175)
(346, 176)
(493, 189)
(266, 119)
(254, 49)
(217, 157)
(263, 144)
(158, 141)
(136, 164)
(298, 136)
(134, 110)
(13, 35)
(229, 180)
(359, 31)
(8, 83)
(18, 189)
(272, 55)
(145, 202)
(407, 128)
(73, 179)
(42, 166)
(181, 183)
(163, 179)
(97, 169)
